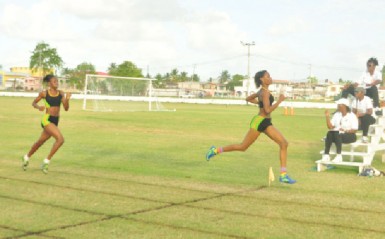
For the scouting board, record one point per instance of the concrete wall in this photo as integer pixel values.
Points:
(182, 100)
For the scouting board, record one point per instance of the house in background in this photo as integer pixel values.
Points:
(22, 78)
(14, 81)
(276, 88)
(32, 84)
(209, 88)
(333, 90)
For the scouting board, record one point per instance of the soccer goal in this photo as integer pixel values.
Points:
(115, 93)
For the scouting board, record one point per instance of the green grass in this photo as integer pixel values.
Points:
(144, 175)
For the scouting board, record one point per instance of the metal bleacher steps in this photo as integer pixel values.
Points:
(359, 154)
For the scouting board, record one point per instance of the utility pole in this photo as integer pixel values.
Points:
(248, 44)
(40, 69)
(193, 73)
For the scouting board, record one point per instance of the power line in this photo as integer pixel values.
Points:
(196, 65)
(307, 63)
(200, 63)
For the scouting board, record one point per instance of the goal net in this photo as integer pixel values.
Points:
(115, 93)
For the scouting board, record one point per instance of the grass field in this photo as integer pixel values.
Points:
(144, 175)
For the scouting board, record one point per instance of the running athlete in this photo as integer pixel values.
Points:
(53, 98)
(261, 123)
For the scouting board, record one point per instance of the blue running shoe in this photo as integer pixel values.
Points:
(211, 153)
(286, 179)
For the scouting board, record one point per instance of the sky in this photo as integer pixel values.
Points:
(292, 39)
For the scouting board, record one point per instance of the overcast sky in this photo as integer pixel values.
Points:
(335, 37)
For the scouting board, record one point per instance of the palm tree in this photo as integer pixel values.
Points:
(174, 75)
(183, 76)
(224, 77)
(112, 67)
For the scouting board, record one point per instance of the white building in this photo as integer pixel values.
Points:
(277, 87)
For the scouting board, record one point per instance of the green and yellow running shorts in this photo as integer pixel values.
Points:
(48, 119)
(260, 123)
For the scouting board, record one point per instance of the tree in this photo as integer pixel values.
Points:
(312, 80)
(195, 78)
(126, 69)
(183, 76)
(174, 77)
(236, 80)
(76, 77)
(112, 67)
(45, 58)
(224, 77)
(158, 83)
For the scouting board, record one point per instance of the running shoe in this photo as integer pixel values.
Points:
(286, 179)
(44, 167)
(325, 158)
(25, 162)
(337, 159)
(211, 153)
(365, 139)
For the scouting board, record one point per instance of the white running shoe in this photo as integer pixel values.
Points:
(44, 166)
(325, 158)
(25, 162)
(337, 159)
(365, 139)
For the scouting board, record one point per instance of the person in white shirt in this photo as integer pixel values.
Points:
(363, 108)
(369, 80)
(342, 129)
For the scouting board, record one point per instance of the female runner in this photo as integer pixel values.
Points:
(261, 123)
(53, 98)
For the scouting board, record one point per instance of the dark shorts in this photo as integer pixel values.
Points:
(260, 123)
(48, 119)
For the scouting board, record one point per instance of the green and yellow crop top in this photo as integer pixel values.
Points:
(53, 100)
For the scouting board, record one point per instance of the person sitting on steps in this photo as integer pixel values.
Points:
(342, 129)
(363, 108)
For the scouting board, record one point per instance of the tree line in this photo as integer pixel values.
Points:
(46, 59)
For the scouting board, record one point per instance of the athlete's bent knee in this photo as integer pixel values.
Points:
(60, 140)
(284, 144)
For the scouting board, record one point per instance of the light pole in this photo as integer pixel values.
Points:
(248, 44)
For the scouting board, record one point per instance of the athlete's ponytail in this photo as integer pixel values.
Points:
(258, 77)
(48, 78)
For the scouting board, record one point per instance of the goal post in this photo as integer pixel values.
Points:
(117, 93)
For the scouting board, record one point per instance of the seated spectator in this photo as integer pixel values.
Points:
(342, 129)
(363, 108)
(369, 80)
